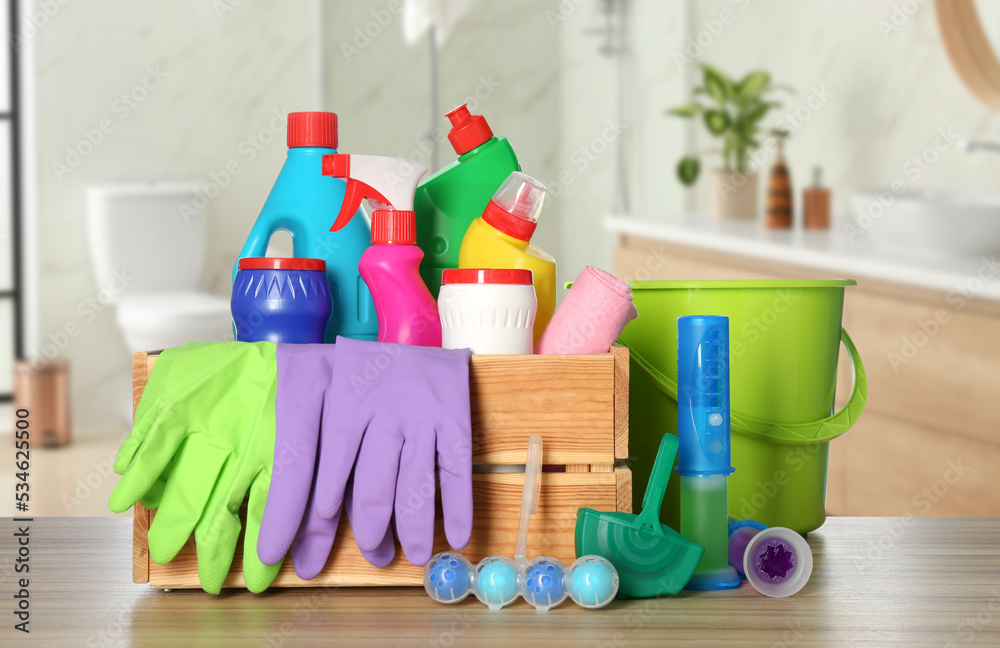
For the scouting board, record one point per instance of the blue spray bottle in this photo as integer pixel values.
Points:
(304, 203)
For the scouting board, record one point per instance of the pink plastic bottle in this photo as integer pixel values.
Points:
(407, 314)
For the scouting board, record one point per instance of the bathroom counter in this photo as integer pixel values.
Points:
(899, 581)
(832, 252)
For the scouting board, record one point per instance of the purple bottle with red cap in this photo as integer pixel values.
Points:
(448, 201)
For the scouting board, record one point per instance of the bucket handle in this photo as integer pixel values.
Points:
(820, 431)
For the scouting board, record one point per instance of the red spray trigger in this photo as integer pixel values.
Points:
(339, 166)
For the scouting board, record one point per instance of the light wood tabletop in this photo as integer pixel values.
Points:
(876, 581)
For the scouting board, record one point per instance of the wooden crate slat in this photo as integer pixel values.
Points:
(621, 400)
(140, 516)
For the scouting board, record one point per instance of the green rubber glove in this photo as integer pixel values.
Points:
(203, 438)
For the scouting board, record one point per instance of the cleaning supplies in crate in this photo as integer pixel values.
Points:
(281, 300)
(776, 561)
(501, 238)
(592, 315)
(488, 311)
(651, 558)
(703, 431)
(301, 203)
(449, 200)
(544, 582)
(404, 306)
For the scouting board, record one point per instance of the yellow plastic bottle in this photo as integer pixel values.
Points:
(501, 238)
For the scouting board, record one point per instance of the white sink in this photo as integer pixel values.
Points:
(958, 224)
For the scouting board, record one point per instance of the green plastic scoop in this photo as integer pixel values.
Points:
(651, 558)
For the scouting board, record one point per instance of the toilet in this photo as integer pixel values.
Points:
(149, 255)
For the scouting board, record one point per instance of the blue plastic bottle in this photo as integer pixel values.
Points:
(304, 203)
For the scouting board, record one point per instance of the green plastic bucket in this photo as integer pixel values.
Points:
(785, 338)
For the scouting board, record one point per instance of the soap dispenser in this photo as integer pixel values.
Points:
(406, 311)
(816, 203)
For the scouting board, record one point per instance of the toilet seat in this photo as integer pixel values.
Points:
(154, 321)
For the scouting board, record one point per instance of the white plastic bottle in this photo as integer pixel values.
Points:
(488, 311)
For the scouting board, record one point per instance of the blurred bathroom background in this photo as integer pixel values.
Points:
(178, 110)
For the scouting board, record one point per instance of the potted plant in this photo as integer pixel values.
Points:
(733, 113)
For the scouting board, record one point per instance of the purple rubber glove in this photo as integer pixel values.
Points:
(290, 517)
(398, 408)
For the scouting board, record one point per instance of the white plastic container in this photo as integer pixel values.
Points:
(488, 311)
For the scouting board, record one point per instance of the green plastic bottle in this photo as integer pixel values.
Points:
(448, 201)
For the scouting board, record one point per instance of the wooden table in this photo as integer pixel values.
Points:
(876, 581)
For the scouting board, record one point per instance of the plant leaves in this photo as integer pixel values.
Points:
(756, 113)
(687, 110)
(718, 85)
(753, 84)
(688, 169)
(717, 121)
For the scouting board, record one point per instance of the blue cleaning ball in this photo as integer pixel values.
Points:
(543, 583)
(447, 577)
(495, 582)
(592, 582)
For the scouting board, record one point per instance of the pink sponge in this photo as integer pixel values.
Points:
(592, 316)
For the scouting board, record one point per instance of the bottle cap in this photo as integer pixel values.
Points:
(518, 276)
(467, 130)
(281, 263)
(312, 129)
(515, 206)
(394, 227)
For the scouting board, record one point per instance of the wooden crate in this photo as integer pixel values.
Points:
(578, 404)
